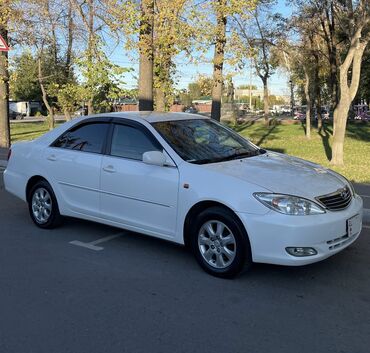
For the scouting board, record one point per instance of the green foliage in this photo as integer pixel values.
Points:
(101, 79)
(201, 87)
(69, 95)
(253, 87)
(24, 83)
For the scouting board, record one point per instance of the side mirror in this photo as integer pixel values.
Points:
(154, 158)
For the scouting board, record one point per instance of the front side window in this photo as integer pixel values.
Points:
(130, 142)
(205, 141)
(87, 138)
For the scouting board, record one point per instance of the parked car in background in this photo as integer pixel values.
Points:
(26, 108)
(81, 112)
(299, 115)
(191, 110)
(187, 179)
(324, 114)
(15, 115)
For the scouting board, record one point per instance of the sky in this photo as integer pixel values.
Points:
(187, 72)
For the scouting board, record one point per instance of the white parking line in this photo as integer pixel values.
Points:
(92, 245)
(367, 196)
(366, 227)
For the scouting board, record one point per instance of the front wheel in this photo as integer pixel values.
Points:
(43, 206)
(220, 243)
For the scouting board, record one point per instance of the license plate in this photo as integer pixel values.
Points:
(354, 225)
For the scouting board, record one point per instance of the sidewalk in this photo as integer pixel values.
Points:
(3, 156)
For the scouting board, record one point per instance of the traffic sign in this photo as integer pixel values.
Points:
(3, 45)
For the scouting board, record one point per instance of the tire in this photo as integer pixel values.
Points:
(225, 256)
(43, 206)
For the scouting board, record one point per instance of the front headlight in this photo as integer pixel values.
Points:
(288, 204)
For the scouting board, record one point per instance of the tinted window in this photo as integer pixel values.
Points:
(87, 138)
(204, 141)
(129, 142)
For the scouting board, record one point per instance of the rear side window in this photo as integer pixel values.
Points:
(87, 138)
(130, 142)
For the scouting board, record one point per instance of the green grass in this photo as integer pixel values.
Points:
(290, 139)
(27, 131)
(283, 138)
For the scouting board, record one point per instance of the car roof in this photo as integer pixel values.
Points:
(150, 117)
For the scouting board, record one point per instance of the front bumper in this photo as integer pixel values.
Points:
(271, 233)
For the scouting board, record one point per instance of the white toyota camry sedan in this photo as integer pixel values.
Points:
(190, 180)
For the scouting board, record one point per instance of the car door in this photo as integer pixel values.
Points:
(141, 196)
(73, 162)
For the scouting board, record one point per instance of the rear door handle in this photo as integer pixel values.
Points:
(52, 158)
(109, 169)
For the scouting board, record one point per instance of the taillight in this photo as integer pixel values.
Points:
(9, 153)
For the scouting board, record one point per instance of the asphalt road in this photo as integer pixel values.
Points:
(141, 294)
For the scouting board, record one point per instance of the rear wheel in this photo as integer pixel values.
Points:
(43, 206)
(220, 243)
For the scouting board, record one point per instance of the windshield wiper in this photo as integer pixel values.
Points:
(228, 158)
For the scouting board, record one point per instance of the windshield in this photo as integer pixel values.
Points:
(205, 141)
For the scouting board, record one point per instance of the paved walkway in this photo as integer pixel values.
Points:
(3, 153)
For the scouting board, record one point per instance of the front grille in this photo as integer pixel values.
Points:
(337, 200)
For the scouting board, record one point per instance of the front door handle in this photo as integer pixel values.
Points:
(52, 158)
(109, 169)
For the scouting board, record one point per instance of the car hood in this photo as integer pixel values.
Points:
(284, 174)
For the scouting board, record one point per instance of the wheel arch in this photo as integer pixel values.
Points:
(199, 207)
(32, 182)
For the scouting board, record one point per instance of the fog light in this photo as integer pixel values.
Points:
(300, 252)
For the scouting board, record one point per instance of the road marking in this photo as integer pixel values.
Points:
(366, 227)
(92, 245)
(367, 196)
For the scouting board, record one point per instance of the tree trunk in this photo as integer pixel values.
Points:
(340, 122)
(160, 100)
(347, 94)
(90, 48)
(50, 117)
(70, 43)
(4, 96)
(218, 60)
(309, 105)
(146, 56)
(333, 80)
(266, 105)
(317, 95)
(67, 115)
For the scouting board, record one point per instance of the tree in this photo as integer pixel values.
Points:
(257, 37)
(218, 58)
(201, 87)
(146, 56)
(69, 97)
(24, 83)
(355, 22)
(4, 78)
